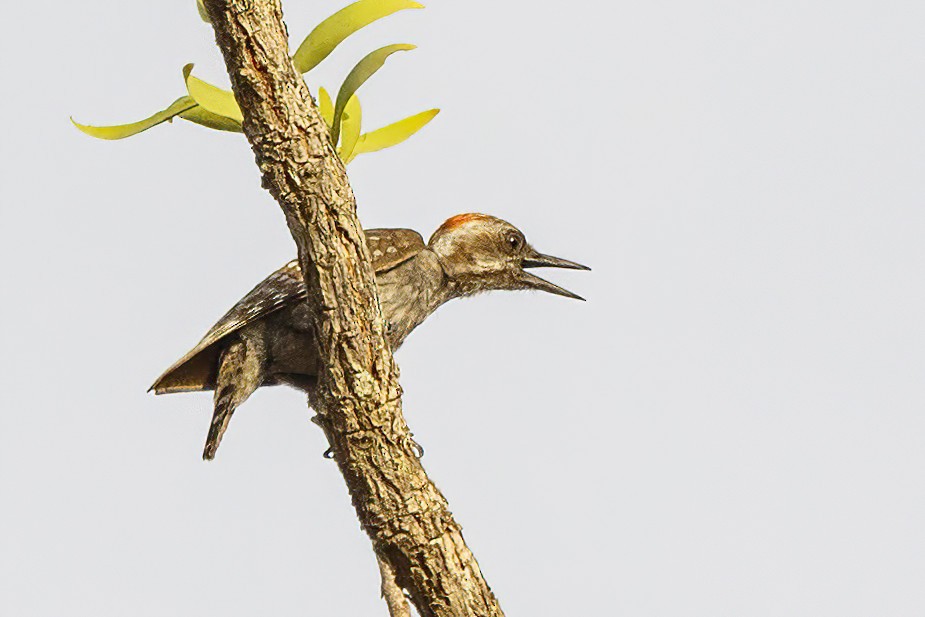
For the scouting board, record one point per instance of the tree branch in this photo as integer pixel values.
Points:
(358, 398)
(392, 594)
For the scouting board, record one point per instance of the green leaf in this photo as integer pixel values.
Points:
(212, 98)
(393, 134)
(364, 69)
(350, 129)
(326, 107)
(321, 41)
(121, 131)
(213, 121)
(202, 12)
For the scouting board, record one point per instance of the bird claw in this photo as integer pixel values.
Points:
(418, 448)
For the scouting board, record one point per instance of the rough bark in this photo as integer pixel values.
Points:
(392, 594)
(358, 399)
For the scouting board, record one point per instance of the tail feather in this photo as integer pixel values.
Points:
(239, 374)
(225, 405)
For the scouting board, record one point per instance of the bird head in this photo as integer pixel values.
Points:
(481, 252)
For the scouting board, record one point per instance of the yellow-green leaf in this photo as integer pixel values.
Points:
(213, 121)
(364, 69)
(326, 107)
(212, 98)
(332, 31)
(202, 11)
(350, 128)
(121, 131)
(393, 134)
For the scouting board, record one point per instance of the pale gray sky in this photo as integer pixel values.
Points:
(732, 425)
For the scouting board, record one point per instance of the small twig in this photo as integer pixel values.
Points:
(393, 595)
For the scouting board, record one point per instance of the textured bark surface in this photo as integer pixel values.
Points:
(358, 399)
(391, 592)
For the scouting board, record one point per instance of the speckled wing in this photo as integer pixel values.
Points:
(389, 248)
(197, 369)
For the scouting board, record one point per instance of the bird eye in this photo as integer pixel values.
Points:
(515, 242)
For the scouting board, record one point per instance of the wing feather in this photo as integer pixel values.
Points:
(389, 248)
(195, 371)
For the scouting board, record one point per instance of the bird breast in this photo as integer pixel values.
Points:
(409, 293)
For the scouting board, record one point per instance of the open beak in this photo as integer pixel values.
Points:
(538, 260)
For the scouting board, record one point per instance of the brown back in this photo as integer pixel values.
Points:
(197, 369)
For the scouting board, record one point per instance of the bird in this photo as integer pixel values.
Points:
(267, 338)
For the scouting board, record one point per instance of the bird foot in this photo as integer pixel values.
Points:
(418, 448)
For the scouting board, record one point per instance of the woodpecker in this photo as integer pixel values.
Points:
(267, 338)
